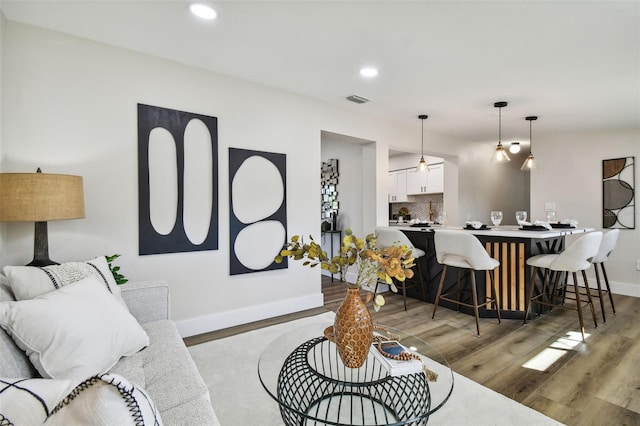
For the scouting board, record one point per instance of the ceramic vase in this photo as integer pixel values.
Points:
(352, 330)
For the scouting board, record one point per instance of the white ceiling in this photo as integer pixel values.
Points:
(575, 64)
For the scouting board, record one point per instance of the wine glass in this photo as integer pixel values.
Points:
(442, 218)
(551, 216)
(521, 216)
(496, 217)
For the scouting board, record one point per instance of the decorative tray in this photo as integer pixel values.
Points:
(562, 225)
(533, 228)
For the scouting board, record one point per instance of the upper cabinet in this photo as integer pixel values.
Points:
(398, 187)
(429, 182)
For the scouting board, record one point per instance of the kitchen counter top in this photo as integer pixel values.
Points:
(510, 231)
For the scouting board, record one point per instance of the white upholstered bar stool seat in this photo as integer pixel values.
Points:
(576, 257)
(607, 245)
(463, 250)
(387, 237)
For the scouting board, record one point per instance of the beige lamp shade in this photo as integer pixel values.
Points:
(40, 197)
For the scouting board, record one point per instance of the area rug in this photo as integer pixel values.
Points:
(229, 367)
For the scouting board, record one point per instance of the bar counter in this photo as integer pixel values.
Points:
(510, 245)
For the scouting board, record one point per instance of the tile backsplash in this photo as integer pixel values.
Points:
(419, 209)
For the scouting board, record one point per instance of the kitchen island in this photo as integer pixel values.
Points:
(509, 245)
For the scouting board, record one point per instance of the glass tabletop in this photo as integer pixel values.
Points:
(303, 373)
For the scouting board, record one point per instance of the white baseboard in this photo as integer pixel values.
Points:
(218, 321)
(623, 289)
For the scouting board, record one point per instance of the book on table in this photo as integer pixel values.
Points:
(393, 366)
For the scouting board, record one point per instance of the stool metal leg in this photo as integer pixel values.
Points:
(586, 285)
(475, 300)
(435, 305)
(606, 282)
(575, 286)
(496, 295)
(532, 285)
(604, 318)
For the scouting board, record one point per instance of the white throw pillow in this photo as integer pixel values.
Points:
(30, 401)
(108, 399)
(28, 282)
(75, 332)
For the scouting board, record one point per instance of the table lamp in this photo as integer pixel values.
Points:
(40, 197)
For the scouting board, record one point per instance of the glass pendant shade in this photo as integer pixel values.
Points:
(500, 155)
(529, 162)
(422, 164)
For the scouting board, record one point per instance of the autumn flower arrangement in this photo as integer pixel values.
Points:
(373, 263)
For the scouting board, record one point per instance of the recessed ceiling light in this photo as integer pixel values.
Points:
(203, 11)
(368, 72)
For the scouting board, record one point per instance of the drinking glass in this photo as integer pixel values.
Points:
(551, 216)
(442, 218)
(496, 217)
(521, 216)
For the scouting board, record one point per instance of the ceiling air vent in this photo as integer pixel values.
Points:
(357, 99)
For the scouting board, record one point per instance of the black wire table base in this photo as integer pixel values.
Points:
(315, 388)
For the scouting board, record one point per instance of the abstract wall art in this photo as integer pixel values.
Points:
(618, 193)
(328, 190)
(257, 210)
(177, 181)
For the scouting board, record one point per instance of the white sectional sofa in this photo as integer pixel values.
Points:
(164, 369)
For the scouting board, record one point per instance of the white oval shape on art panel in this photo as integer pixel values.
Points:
(163, 181)
(257, 190)
(198, 184)
(256, 245)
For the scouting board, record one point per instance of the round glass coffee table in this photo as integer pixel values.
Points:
(302, 372)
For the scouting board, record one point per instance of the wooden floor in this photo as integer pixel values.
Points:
(544, 365)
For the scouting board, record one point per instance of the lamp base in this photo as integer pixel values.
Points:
(41, 246)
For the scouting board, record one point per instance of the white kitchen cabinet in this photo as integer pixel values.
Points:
(435, 178)
(429, 182)
(398, 187)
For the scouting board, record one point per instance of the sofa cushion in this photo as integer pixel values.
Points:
(75, 332)
(171, 376)
(15, 362)
(28, 282)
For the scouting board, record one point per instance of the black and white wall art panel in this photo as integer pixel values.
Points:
(258, 210)
(177, 181)
(618, 193)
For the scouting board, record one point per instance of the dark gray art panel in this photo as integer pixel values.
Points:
(175, 123)
(257, 210)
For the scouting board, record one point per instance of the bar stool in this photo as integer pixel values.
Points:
(607, 245)
(387, 237)
(576, 257)
(463, 250)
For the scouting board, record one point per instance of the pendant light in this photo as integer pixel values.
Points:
(422, 164)
(529, 162)
(500, 155)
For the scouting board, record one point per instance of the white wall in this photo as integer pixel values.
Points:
(485, 186)
(356, 187)
(69, 106)
(569, 173)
